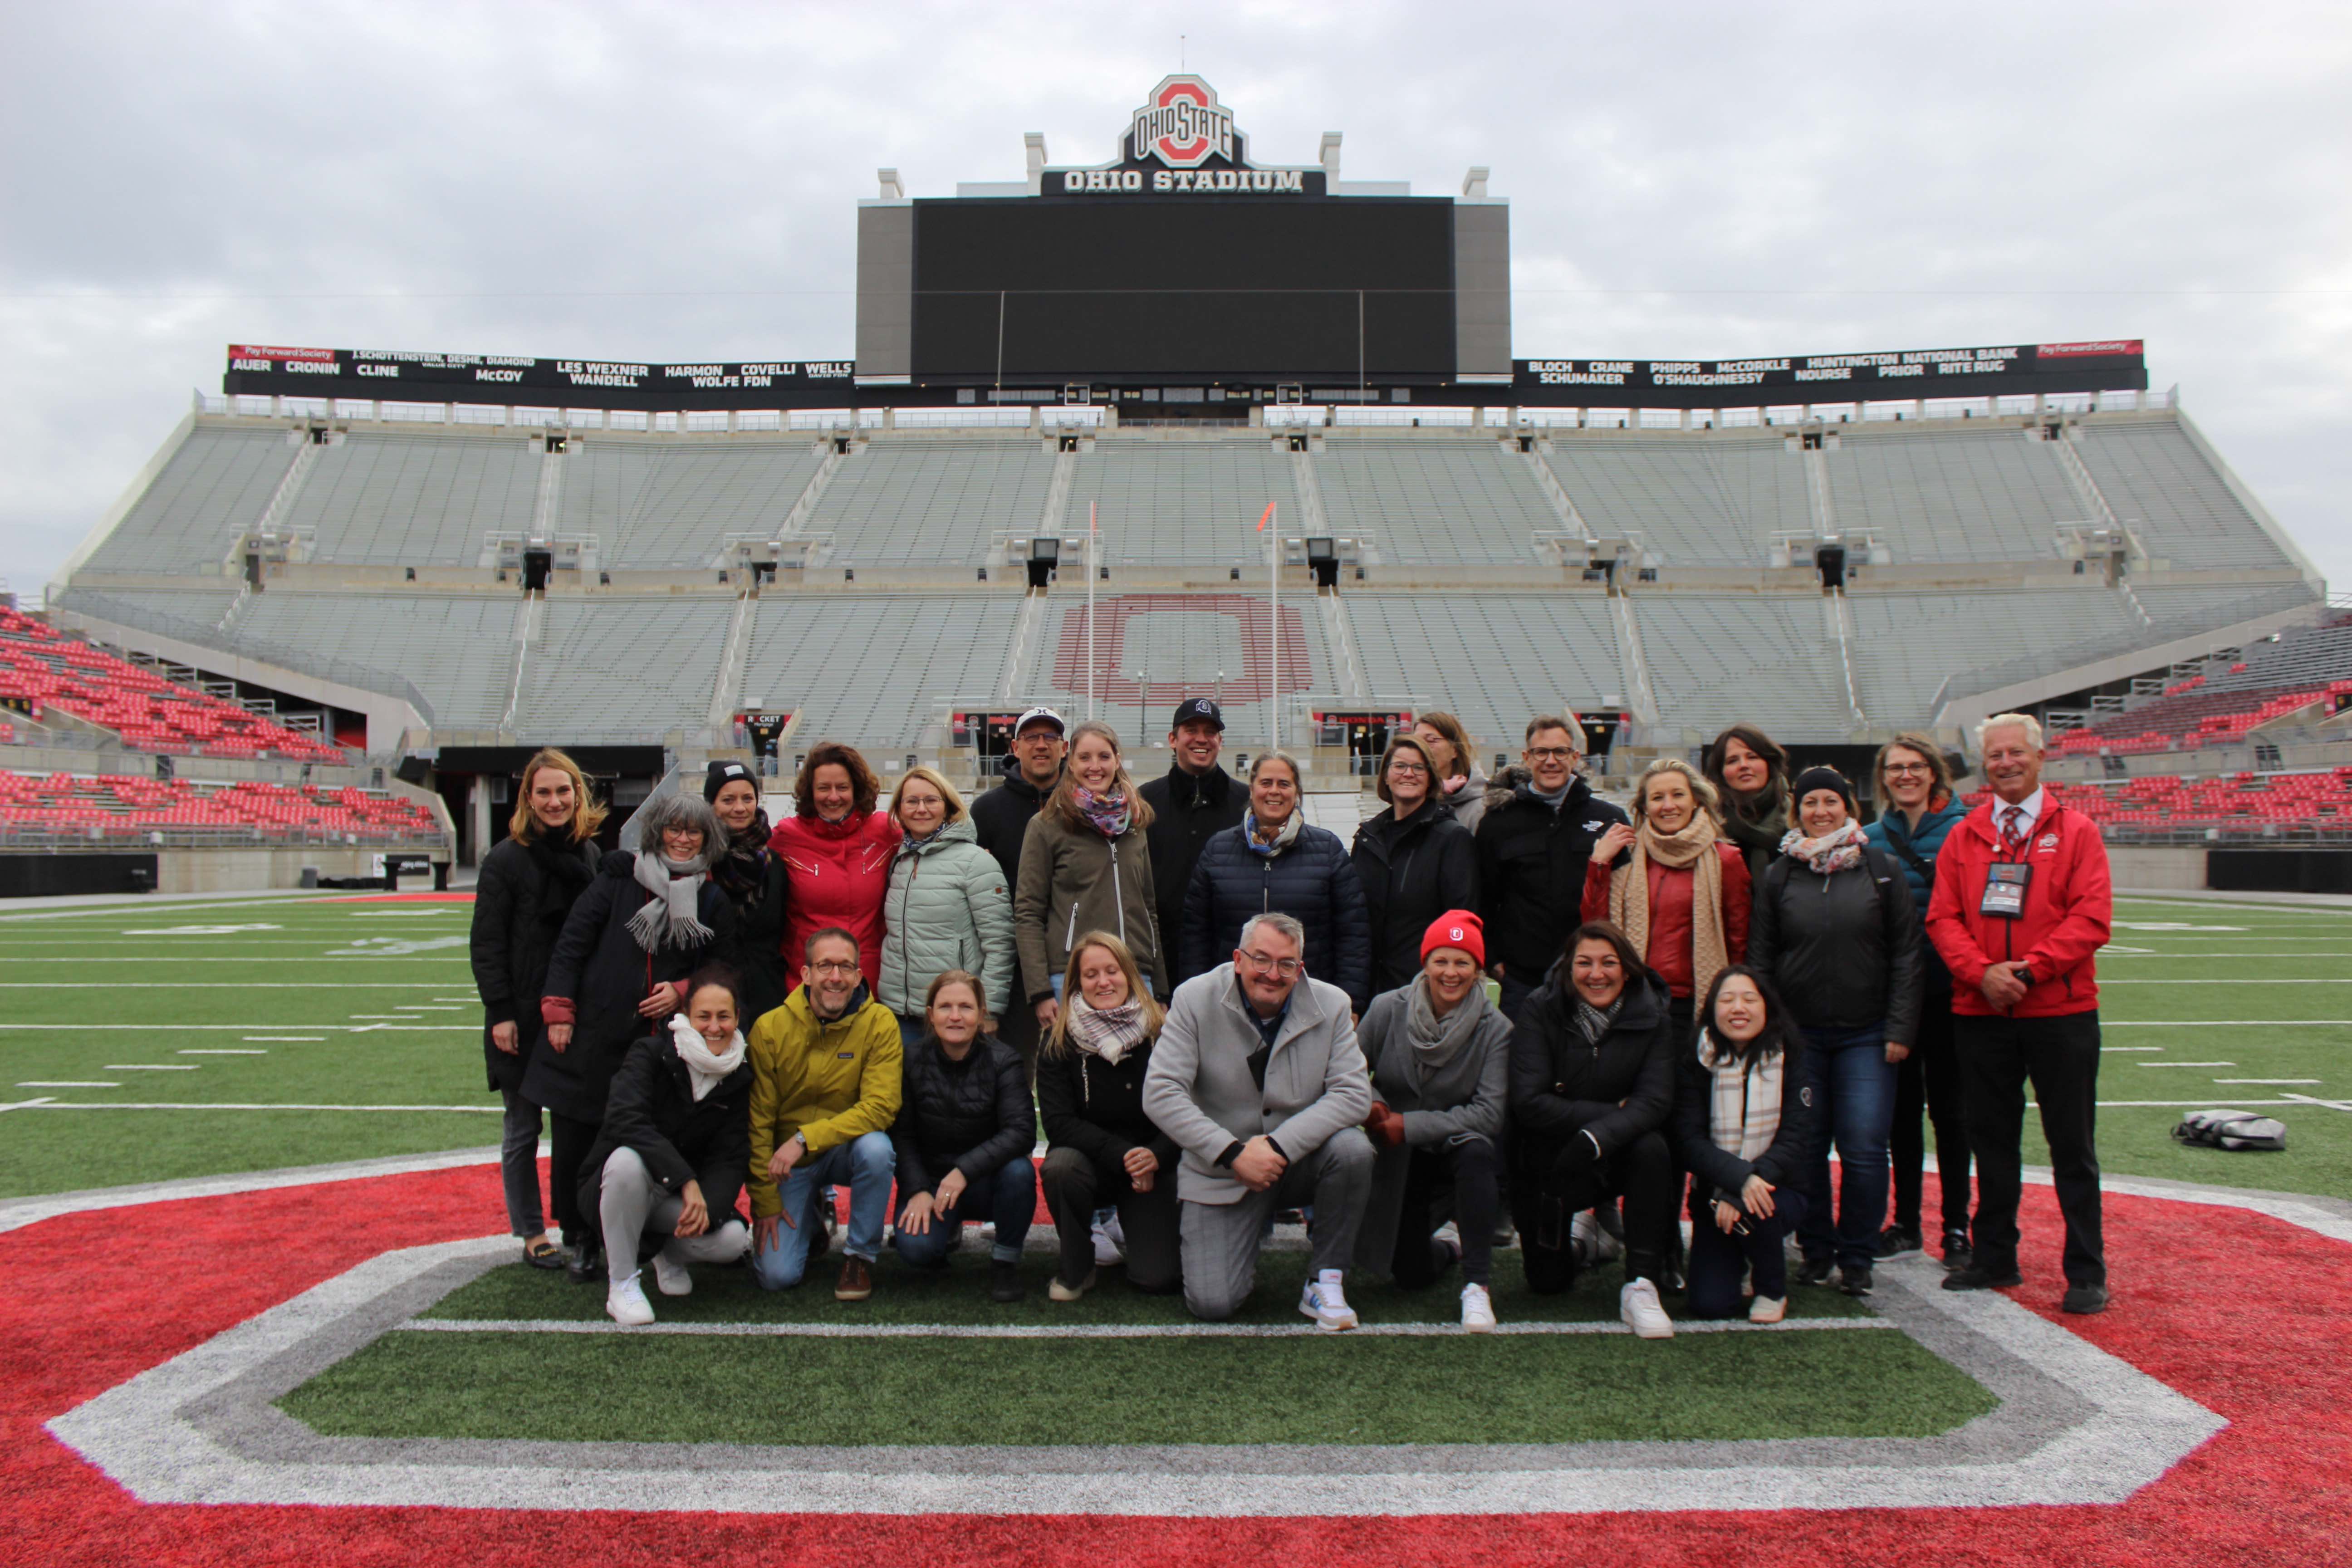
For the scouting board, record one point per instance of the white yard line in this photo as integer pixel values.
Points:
(2272, 1082)
(2184, 1064)
(218, 1051)
(2225, 1023)
(151, 1028)
(220, 984)
(62, 1083)
(321, 1039)
(2131, 1047)
(23, 1104)
(2104, 981)
(150, 1066)
(191, 1105)
(1079, 1330)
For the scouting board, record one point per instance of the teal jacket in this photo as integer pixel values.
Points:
(947, 907)
(1894, 833)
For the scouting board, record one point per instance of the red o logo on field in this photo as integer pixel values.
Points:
(1182, 125)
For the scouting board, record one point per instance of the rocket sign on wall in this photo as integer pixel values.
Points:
(1182, 125)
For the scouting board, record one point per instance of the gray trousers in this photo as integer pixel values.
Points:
(632, 1203)
(1221, 1240)
(519, 1163)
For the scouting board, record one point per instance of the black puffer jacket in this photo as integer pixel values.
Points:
(1412, 872)
(600, 968)
(1842, 950)
(970, 1116)
(1091, 1105)
(1531, 863)
(755, 951)
(651, 1110)
(1187, 811)
(1719, 1170)
(1312, 882)
(1562, 1086)
(521, 903)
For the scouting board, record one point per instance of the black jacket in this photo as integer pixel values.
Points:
(651, 1110)
(1000, 820)
(519, 911)
(1089, 1105)
(1412, 872)
(1562, 1087)
(1842, 951)
(1531, 866)
(599, 966)
(756, 949)
(1186, 812)
(1312, 882)
(970, 1116)
(1718, 1171)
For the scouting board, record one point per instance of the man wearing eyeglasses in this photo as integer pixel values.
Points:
(1533, 844)
(825, 1089)
(1258, 1078)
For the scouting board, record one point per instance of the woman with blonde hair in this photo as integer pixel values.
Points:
(1673, 884)
(1086, 864)
(947, 907)
(528, 882)
(1101, 1149)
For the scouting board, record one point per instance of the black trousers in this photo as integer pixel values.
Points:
(1075, 1187)
(1928, 1079)
(1545, 1199)
(568, 1145)
(1447, 1181)
(2060, 1056)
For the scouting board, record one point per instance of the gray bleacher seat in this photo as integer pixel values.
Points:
(1182, 500)
(1716, 658)
(1692, 500)
(654, 506)
(620, 663)
(866, 667)
(1441, 501)
(2156, 482)
(1492, 660)
(398, 500)
(1908, 644)
(933, 501)
(1179, 643)
(1952, 495)
(214, 488)
(458, 648)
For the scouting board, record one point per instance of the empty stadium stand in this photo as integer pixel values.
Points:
(79, 808)
(2235, 806)
(413, 501)
(871, 669)
(933, 498)
(651, 506)
(1714, 499)
(1492, 660)
(1996, 494)
(1166, 501)
(2307, 672)
(1435, 502)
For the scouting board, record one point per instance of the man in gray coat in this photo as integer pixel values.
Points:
(1258, 1078)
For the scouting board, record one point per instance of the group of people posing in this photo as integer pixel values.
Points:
(1509, 1011)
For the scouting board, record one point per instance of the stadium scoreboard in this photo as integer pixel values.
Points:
(1181, 278)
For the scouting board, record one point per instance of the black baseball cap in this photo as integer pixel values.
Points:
(1194, 707)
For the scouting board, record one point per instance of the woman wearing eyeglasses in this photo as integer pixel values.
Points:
(1415, 862)
(1917, 785)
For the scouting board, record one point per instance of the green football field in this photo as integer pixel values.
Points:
(153, 1041)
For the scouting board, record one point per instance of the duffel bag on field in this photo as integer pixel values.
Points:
(2230, 1130)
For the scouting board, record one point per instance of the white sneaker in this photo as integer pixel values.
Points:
(625, 1303)
(1477, 1310)
(1765, 1309)
(1324, 1302)
(1110, 1242)
(1638, 1305)
(1584, 1240)
(670, 1277)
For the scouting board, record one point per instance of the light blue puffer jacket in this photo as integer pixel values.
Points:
(947, 907)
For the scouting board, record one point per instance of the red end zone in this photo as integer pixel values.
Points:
(2241, 1312)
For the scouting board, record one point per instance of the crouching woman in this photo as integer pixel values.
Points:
(676, 1140)
(1744, 1126)
(964, 1131)
(1440, 1055)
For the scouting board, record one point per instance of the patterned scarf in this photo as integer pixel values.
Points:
(741, 873)
(1593, 1022)
(1831, 853)
(1106, 813)
(1110, 1033)
(1743, 1111)
(1284, 836)
(1629, 892)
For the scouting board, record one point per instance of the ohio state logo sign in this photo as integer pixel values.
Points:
(1182, 125)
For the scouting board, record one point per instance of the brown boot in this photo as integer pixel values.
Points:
(857, 1281)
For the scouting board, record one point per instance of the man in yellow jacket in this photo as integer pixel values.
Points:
(825, 1089)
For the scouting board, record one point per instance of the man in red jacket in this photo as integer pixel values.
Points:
(2023, 902)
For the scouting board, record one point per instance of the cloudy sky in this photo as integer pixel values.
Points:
(667, 183)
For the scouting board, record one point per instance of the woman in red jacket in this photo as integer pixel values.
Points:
(837, 849)
(1682, 893)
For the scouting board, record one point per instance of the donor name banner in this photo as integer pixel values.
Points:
(2093, 366)
(401, 375)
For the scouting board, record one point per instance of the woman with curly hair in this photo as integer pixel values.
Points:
(837, 849)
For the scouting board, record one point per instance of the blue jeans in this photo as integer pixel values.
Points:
(1852, 1085)
(1009, 1197)
(867, 1163)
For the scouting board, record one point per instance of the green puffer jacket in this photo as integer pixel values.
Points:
(947, 907)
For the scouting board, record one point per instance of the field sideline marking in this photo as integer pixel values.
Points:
(262, 984)
(1093, 1331)
(346, 1028)
(192, 1105)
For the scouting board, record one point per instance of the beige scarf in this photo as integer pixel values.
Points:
(1629, 892)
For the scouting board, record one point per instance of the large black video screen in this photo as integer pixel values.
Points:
(1292, 290)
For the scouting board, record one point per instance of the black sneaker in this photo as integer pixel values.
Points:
(2086, 1299)
(1957, 1254)
(1977, 1278)
(1894, 1241)
(1854, 1279)
(584, 1264)
(1813, 1271)
(1005, 1282)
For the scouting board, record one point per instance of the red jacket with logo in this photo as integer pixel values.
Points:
(2069, 903)
(837, 874)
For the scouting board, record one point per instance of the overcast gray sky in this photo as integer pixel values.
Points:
(665, 183)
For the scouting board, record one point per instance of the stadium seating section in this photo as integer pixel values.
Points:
(2304, 668)
(78, 807)
(150, 714)
(2241, 804)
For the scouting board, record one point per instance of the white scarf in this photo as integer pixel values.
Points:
(705, 1069)
(668, 919)
(1743, 1112)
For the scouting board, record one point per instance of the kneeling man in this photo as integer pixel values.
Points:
(1258, 1078)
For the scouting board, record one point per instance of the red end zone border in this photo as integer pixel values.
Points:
(2241, 1311)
